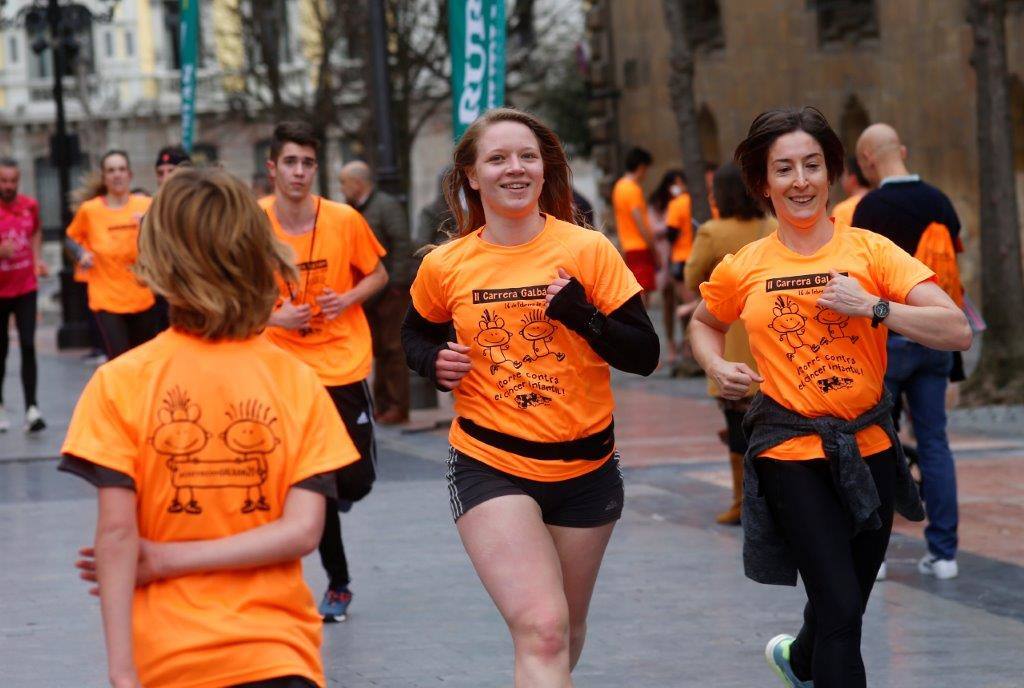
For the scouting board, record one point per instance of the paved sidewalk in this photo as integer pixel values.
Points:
(671, 608)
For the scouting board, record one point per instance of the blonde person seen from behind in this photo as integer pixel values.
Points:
(824, 469)
(541, 309)
(213, 451)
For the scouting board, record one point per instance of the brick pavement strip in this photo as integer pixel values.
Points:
(671, 608)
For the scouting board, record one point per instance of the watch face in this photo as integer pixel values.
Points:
(880, 309)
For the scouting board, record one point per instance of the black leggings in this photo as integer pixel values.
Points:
(838, 571)
(124, 331)
(24, 309)
(355, 406)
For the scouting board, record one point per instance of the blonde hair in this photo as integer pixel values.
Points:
(208, 248)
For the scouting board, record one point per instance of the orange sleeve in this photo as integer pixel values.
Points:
(895, 271)
(98, 433)
(427, 291)
(78, 230)
(366, 250)
(326, 445)
(609, 283)
(721, 291)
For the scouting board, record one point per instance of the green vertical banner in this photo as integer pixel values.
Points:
(189, 37)
(477, 33)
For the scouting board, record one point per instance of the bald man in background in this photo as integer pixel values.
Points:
(385, 311)
(907, 210)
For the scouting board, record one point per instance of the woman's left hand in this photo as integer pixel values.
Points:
(558, 285)
(846, 295)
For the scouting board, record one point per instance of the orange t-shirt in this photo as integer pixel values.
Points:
(679, 215)
(112, 236)
(627, 196)
(532, 377)
(842, 214)
(336, 254)
(814, 361)
(214, 434)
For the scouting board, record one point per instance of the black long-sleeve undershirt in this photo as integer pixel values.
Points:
(627, 340)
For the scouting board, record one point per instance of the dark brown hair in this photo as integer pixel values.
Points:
(209, 249)
(556, 194)
(731, 195)
(752, 153)
(293, 131)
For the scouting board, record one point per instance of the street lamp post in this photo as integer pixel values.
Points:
(54, 26)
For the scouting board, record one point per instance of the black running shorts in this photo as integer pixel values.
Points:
(587, 501)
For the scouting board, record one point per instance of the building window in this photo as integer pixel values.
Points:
(272, 16)
(108, 43)
(129, 44)
(845, 21)
(707, 132)
(12, 49)
(852, 123)
(172, 34)
(704, 24)
(260, 153)
(204, 153)
(48, 190)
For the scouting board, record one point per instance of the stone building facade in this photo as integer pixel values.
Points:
(906, 62)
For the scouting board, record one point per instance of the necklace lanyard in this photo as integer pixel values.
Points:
(309, 258)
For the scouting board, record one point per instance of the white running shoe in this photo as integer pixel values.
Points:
(34, 420)
(943, 569)
(883, 572)
(5, 424)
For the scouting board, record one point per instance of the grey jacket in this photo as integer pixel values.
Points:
(766, 557)
(389, 223)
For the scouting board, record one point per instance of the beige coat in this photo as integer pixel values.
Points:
(714, 241)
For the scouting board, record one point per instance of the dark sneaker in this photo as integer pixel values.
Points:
(334, 605)
(777, 655)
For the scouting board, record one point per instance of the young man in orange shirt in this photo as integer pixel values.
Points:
(321, 321)
(636, 240)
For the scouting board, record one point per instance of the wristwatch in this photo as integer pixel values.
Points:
(879, 312)
(595, 323)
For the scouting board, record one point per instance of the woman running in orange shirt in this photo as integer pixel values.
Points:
(541, 308)
(213, 452)
(824, 469)
(104, 238)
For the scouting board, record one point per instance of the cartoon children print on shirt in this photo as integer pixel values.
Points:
(494, 339)
(789, 323)
(251, 436)
(834, 322)
(539, 331)
(180, 437)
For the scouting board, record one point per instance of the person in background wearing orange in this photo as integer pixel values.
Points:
(213, 451)
(320, 320)
(741, 222)
(671, 187)
(21, 262)
(104, 238)
(824, 468)
(709, 183)
(636, 240)
(541, 308)
(854, 185)
(679, 220)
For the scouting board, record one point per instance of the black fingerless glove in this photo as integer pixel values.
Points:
(570, 306)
